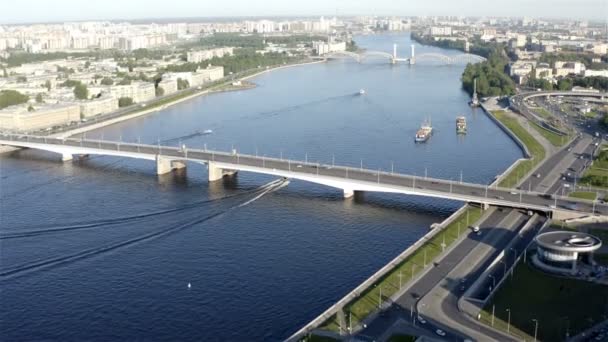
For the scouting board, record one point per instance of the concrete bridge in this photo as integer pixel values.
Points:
(348, 179)
(412, 59)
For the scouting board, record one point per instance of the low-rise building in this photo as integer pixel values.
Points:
(568, 68)
(323, 48)
(168, 85)
(440, 31)
(203, 55)
(138, 91)
(600, 73)
(24, 118)
(521, 68)
(211, 73)
(102, 105)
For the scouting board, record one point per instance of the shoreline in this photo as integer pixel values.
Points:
(178, 101)
(139, 113)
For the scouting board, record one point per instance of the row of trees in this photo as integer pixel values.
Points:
(125, 101)
(490, 74)
(243, 59)
(11, 98)
(585, 58)
(81, 91)
(256, 41)
(566, 83)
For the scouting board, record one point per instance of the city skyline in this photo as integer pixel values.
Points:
(70, 10)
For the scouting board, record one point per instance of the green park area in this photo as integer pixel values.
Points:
(317, 338)
(560, 306)
(597, 174)
(369, 300)
(536, 150)
(554, 138)
(591, 196)
(542, 112)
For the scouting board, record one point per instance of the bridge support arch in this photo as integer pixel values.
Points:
(217, 173)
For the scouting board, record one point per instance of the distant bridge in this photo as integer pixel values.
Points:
(413, 59)
(347, 179)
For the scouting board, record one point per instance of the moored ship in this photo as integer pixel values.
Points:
(424, 132)
(461, 125)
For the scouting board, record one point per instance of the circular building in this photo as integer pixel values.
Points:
(564, 251)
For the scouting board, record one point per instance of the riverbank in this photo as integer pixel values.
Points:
(365, 302)
(138, 111)
(225, 86)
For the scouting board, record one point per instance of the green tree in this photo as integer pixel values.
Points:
(87, 64)
(39, 98)
(81, 91)
(125, 81)
(30, 108)
(4, 72)
(125, 101)
(47, 85)
(564, 84)
(11, 98)
(160, 91)
(182, 84)
(107, 81)
(21, 79)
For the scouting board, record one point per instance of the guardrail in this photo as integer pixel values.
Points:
(332, 310)
(350, 173)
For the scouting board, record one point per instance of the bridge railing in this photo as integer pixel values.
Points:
(379, 176)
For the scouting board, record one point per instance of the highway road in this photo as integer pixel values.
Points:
(340, 176)
(455, 272)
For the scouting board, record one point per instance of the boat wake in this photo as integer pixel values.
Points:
(44, 230)
(28, 268)
(288, 109)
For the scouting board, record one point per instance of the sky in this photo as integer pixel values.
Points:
(26, 11)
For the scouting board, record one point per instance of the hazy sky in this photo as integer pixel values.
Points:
(62, 10)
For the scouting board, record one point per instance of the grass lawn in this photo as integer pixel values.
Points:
(368, 301)
(536, 149)
(317, 338)
(591, 115)
(542, 112)
(554, 138)
(556, 303)
(584, 195)
(597, 174)
(600, 233)
(402, 338)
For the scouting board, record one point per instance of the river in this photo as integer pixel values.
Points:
(103, 249)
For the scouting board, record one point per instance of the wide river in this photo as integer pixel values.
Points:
(103, 249)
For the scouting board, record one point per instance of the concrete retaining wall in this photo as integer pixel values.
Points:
(374, 278)
(508, 131)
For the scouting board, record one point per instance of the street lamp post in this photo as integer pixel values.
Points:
(508, 320)
(535, 328)
(425, 258)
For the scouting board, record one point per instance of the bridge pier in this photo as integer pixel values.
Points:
(67, 157)
(217, 173)
(165, 165)
(348, 193)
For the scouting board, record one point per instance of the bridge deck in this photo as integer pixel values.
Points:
(342, 177)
